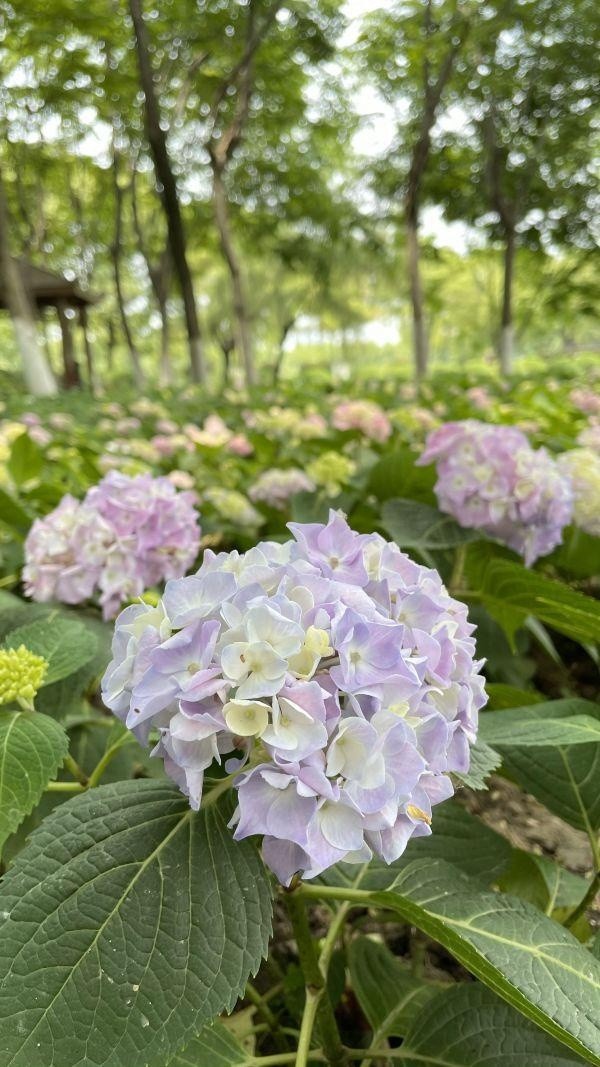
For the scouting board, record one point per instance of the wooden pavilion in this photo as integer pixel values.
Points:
(46, 289)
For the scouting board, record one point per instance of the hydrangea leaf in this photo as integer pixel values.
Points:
(32, 748)
(468, 1026)
(521, 954)
(388, 993)
(129, 922)
(484, 761)
(555, 723)
(510, 592)
(415, 525)
(66, 643)
(214, 1046)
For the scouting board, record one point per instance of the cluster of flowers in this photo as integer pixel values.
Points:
(126, 535)
(582, 466)
(363, 415)
(490, 478)
(275, 487)
(21, 675)
(337, 675)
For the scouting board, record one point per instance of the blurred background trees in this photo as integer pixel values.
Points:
(248, 184)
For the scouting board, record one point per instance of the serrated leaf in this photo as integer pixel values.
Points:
(552, 723)
(67, 644)
(32, 748)
(542, 882)
(214, 1046)
(510, 592)
(130, 921)
(388, 993)
(458, 837)
(484, 761)
(564, 778)
(468, 1026)
(414, 525)
(525, 957)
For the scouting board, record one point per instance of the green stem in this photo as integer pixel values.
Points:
(282, 1058)
(65, 787)
(268, 1015)
(459, 568)
(73, 767)
(103, 763)
(318, 1003)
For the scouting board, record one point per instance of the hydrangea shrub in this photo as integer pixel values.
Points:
(128, 534)
(490, 478)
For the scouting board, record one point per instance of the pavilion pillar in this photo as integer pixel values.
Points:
(89, 353)
(71, 369)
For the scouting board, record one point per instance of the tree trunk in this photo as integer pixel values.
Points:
(71, 375)
(116, 250)
(165, 370)
(169, 196)
(89, 354)
(36, 368)
(110, 345)
(420, 343)
(285, 329)
(241, 317)
(506, 325)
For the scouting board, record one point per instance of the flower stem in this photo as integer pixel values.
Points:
(73, 767)
(318, 1005)
(588, 899)
(65, 787)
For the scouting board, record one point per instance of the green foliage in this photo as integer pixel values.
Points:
(148, 920)
(32, 748)
(65, 643)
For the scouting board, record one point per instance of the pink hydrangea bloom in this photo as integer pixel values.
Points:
(363, 415)
(491, 479)
(333, 676)
(239, 445)
(586, 400)
(128, 534)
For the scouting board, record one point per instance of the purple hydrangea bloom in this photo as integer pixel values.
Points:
(334, 678)
(490, 478)
(125, 536)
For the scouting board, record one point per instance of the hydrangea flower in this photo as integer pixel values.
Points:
(333, 678)
(332, 471)
(232, 506)
(363, 415)
(127, 534)
(21, 675)
(275, 487)
(491, 479)
(582, 466)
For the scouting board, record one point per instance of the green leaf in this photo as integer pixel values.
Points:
(65, 643)
(396, 475)
(32, 748)
(511, 593)
(214, 1046)
(130, 921)
(388, 993)
(509, 696)
(468, 1026)
(553, 723)
(542, 882)
(484, 761)
(458, 837)
(564, 778)
(13, 515)
(26, 459)
(415, 525)
(525, 957)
